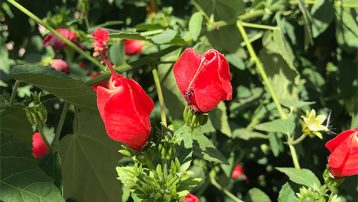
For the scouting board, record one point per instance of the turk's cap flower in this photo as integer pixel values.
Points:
(191, 198)
(60, 65)
(343, 160)
(56, 43)
(133, 47)
(313, 124)
(203, 80)
(39, 148)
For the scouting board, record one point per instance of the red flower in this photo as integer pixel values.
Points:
(133, 47)
(101, 37)
(60, 65)
(56, 43)
(343, 160)
(39, 148)
(204, 81)
(125, 108)
(103, 83)
(191, 198)
(238, 172)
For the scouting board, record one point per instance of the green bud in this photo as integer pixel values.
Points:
(332, 182)
(36, 112)
(194, 119)
(125, 152)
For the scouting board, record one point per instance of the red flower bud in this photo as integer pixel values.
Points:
(60, 65)
(103, 83)
(56, 43)
(39, 148)
(133, 47)
(191, 198)
(238, 172)
(343, 160)
(125, 108)
(204, 81)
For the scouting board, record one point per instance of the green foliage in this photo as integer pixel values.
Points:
(256, 195)
(89, 156)
(21, 179)
(301, 176)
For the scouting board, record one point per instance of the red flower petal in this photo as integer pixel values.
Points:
(125, 110)
(133, 47)
(203, 81)
(55, 42)
(191, 198)
(39, 148)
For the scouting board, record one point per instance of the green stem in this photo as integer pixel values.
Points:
(263, 74)
(68, 42)
(298, 140)
(294, 156)
(218, 186)
(160, 97)
(261, 70)
(14, 92)
(258, 26)
(40, 129)
(257, 13)
(198, 7)
(61, 122)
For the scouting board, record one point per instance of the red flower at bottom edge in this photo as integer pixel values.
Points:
(343, 160)
(39, 148)
(191, 198)
(125, 108)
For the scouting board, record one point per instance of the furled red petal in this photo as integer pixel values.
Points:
(39, 148)
(55, 42)
(185, 68)
(237, 172)
(343, 160)
(332, 144)
(191, 198)
(132, 47)
(60, 65)
(212, 84)
(125, 110)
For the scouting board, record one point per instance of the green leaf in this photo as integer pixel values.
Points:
(347, 27)
(127, 35)
(287, 193)
(21, 179)
(276, 42)
(222, 9)
(301, 176)
(226, 38)
(275, 144)
(56, 83)
(322, 15)
(195, 23)
(280, 126)
(307, 23)
(281, 76)
(14, 122)
(247, 135)
(88, 155)
(185, 148)
(219, 119)
(204, 148)
(164, 37)
(4, 58)
(256, 195)
(116, 53)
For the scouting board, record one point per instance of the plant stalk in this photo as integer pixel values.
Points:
(14, 92)
(61, 122)
(160, 97)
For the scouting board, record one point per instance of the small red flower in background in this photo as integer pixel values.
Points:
(101, 37)
(191, 198)
(238, 173)
(204, 81)
(56, 43)
(60, 65)
(103, 83)
(343, 160)
(133, 47)
(39, 148)
(125, 108)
